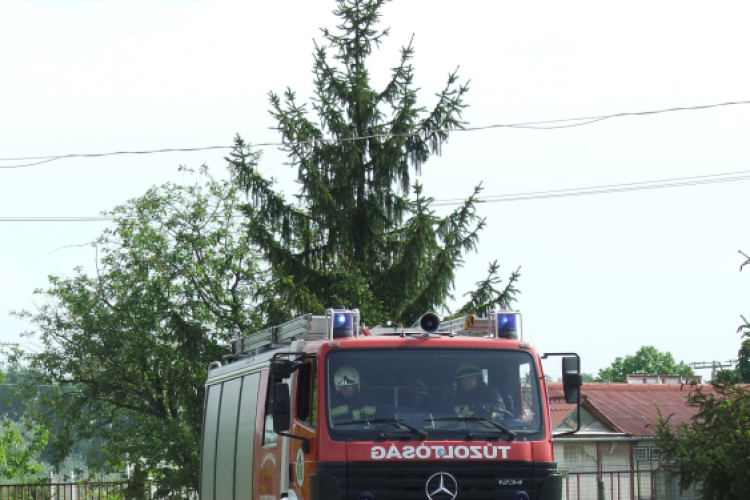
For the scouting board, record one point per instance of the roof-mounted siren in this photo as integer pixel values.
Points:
(506, 324)
(429, 322)
(342, 322)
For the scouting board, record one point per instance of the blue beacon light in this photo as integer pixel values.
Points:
(507, 325)
(342, 320)
(343, 324)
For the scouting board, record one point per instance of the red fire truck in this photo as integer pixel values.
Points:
(324, 408)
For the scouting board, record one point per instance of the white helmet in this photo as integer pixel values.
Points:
(346, 376)
(467, 369)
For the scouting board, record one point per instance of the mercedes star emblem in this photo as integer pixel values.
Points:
(441, 486)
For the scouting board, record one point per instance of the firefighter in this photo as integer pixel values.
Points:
(472, 397)
(348, 403)
(414, 397)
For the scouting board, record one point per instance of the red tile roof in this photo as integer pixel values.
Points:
(632, 408)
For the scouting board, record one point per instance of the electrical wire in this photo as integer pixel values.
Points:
(47, 159)
(608, 188)
(56, 219)
(697, 180)
(535, 125)
(593, 119)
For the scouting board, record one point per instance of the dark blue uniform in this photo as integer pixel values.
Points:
(480, 401)
(357, 407)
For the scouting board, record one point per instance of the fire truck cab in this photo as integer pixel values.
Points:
(322, 408)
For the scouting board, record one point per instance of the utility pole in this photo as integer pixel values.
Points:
(715, 366)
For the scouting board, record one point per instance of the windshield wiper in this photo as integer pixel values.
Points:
(396, 422)
(486, 420)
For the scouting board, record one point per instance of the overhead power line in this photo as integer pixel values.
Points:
(609, 188)
(696, 180)
(47, 159)
(535, 125)
(56, 219)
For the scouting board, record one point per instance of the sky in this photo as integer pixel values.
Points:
(601, 275)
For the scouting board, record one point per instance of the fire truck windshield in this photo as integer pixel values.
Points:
(441, 392)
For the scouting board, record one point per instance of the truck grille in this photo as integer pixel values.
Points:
(408, 480)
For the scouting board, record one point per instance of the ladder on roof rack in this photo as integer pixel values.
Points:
(471, 325)
(305, 327)
(498, 323)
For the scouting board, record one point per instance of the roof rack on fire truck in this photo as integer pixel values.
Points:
(334, 324)
(339, 323)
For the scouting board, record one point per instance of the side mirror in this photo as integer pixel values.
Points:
(282, 368)
(571, 379)
(281, 409)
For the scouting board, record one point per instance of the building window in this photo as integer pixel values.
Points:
(645, 453)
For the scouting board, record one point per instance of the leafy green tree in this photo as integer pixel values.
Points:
(712, 451)
(20, 400)
(361, 232)
(741, 371)
(126, 349)
(647, 360)
(743, 362)
(12, 405)
(743, 355)
(21, 442)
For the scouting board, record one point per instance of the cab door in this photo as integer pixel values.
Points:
(268, 460)
(304, 424)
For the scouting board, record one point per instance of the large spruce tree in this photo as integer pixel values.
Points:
(182, 271)
(361, 232)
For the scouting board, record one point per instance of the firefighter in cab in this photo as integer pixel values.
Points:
(472, 397)
(348, 403)
(415, 397)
